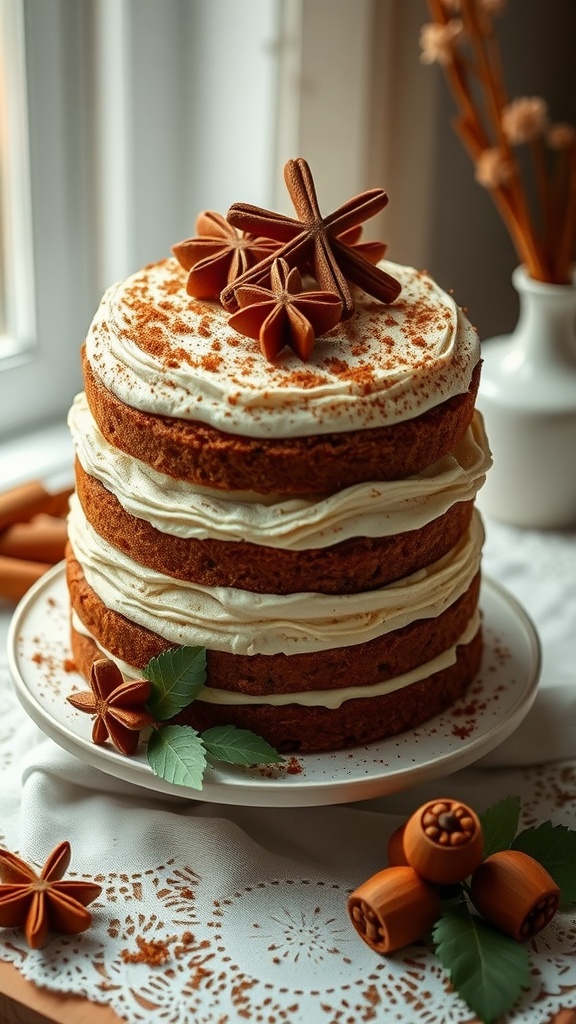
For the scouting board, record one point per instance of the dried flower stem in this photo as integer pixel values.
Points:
(503, 200)
(476, 80)
(565, 252)
(491, 76)
(544, 191)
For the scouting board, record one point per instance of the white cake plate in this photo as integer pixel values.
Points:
(495, 704)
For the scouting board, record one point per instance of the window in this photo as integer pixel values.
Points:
(129, 116)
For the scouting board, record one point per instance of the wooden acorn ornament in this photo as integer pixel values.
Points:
(393, 908)
(395, 848)
(515, 893)
(443, 841)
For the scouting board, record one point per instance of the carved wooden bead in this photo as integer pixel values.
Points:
(393, 908)
(443, 841)
(515, 893)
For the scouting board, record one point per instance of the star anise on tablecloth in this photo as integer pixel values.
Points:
(218, 255)
(40, 903)
(118, 706)
(284, 314)
(314, 240)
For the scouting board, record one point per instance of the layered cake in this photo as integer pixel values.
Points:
(306, 517)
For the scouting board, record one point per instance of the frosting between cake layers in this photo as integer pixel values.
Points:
(311, 698)
(162, 352)
(377, 509)
(243, 622)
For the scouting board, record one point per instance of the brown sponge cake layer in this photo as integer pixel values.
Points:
(293, 728)
(195, 451)
(352, 566)
(373, 661)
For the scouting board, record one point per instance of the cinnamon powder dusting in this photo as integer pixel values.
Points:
(149, 952)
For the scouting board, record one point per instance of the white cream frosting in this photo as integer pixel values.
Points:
(310, 698)
(162, 352)
(378, 509)
(241, 622)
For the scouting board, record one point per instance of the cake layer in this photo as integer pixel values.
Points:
(373, 509)
(160, 351)
(327, 697)
(241, 622)
(195, 451)
(293, 728)
(348, 567)
(357, 539)
(389, 654)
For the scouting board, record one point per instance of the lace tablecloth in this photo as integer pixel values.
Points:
(223, 914)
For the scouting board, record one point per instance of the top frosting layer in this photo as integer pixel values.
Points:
(161, 351)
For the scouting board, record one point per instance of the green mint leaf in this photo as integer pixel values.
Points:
(486, 968)
(177, 677)
(238, 746)
(500, 824)
(176, 753)
(554, 846)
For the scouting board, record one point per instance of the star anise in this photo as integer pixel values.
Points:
(285, 314)
(372, 251)
(314, 239)
(40, 903)
(218, 255)
(117, 706)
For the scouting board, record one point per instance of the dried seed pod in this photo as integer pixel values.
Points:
(443, 841)
(393, 908)
(515, 893)
(395, 848)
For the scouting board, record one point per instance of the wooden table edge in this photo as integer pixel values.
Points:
(23, 1002)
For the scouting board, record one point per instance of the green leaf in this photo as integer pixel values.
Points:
(487, 969)
(554, 846)
(238, 746)
(500, 824)
(177, 677)
(176, 753)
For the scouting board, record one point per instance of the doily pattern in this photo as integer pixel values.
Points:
(162, 946)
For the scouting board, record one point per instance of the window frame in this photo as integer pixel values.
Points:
(35, 385)
(18, 328)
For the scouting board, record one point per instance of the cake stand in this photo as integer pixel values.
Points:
(495, 704)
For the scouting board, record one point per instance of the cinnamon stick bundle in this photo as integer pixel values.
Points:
(43, 539)
(32, 535)
(17, 575)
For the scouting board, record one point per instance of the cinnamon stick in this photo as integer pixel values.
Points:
(43, 539)
(21, 503)
(17, 575)
(59, 501)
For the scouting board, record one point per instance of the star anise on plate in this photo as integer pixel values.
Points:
(40, 903)
(284, 314)
(218, 255)
(314, 240)
(117, 706)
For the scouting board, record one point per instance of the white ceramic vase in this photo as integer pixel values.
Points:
(528, 399)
